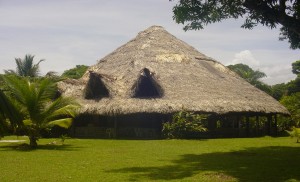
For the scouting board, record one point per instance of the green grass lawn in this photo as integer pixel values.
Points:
(246, 159)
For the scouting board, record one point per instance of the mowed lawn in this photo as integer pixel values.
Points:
(243, 159)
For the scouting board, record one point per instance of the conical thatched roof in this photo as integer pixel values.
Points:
(179, 76)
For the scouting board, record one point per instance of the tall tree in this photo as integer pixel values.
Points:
(294, 85)
(26, 67)
(32, 106)
(279, 90)
(296, 67)
(251, 76)
(247, 73)
(195, 14)
(292, 103)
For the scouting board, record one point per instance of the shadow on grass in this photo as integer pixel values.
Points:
(251, 164)
(26, 148)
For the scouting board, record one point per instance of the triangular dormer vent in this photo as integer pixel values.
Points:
(95, 88)
(146, 86)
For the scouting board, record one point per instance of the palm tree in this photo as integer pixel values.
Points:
(251, 76)
(25, 67)
(247, 73)
(32, 107)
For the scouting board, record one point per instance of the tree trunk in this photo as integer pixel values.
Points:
(33, 141)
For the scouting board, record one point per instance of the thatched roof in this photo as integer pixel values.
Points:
(180, 78)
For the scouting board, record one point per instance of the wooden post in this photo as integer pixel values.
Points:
(239, 125)
(115, 127)
(257, 125)
(212, 123)
(247, 126)
(268, 124)
(233, 123)
(276, 128)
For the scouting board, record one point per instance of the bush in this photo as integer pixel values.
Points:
(291, 102)
(295, 133)
(184, 124)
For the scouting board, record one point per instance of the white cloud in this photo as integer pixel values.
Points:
(245, 57)
(277, 73)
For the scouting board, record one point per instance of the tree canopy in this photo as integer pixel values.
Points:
(25, 67)
(292, 103)
(251, 76)
(195, 14)
(76, 72)
(296, 67)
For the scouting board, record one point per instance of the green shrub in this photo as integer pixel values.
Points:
(76, 72)
(295, 133)
(184, 124)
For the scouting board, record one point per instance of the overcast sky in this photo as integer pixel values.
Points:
(71, 32)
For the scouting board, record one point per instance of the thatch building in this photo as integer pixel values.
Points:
(131, 91)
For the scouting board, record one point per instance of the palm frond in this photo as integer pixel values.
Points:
(28, 65)
(18, 87)
(46, 90)
(27, 122)
(10, 72)
(10, 110)
(64, 123)
(25, 93)
(69, 110)
(61, 107)
(20, 66)
(36, 68)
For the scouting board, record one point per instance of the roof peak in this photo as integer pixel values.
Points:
(153, 28)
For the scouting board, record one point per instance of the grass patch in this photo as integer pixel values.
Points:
(246, 159)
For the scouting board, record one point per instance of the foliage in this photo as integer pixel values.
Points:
(195, 14)
(279, 90)
(184, 125)
(292, 103)
(296, 67)
(3, 125)
(293, 86)
(76, 72)
(295, 133)
(25, 67)
(32, 106)
(283, 123)
(247, 73)
(251, 76)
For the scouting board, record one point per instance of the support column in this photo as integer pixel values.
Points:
(233, 123)
(257, 125)
(239, 125)
(212, 123)
(247, 126)
(276, 128)
(268, 125)
(115, 127)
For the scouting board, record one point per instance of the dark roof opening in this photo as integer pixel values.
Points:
(146, 86)
(95, 88)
